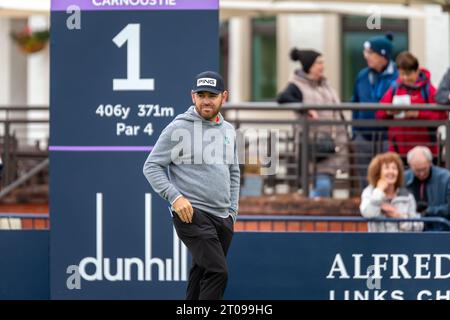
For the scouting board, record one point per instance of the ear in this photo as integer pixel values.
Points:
(193, 97)
(224, 96)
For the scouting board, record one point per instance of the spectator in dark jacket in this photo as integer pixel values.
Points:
(370, 86)
(430, 186)
(309, 85)
(443, 93)
(413, 86)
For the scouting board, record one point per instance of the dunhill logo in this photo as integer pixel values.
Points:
(172, 269)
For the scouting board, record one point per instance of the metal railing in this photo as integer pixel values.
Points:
(24, 221)
(15, 133)
(299, 127)
(22, 179)
(24, 133)
(324, 223)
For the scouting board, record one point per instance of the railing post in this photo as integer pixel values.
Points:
(271, 176)
(297, 151)
(6, 147)
(304, 154)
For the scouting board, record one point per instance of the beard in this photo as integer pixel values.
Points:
(208, 112)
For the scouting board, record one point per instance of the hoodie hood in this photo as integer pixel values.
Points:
(423, 80)
(301, 75)
(192, 115)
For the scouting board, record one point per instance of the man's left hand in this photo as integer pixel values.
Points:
(412, 114)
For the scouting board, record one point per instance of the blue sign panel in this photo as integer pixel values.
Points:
(120, 72)
(24, 265)
(340, 266)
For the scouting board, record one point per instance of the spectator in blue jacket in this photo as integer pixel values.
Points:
(370, 86)
(430, 186)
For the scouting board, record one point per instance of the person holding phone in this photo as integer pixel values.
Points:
(385, 196)
(413, 86)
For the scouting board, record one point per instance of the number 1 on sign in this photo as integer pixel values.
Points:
(131, 34)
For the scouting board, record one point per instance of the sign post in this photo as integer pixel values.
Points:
(120, 72)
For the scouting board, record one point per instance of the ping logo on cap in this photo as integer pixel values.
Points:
(206, 82)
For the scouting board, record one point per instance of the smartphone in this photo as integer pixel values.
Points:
(400, 115)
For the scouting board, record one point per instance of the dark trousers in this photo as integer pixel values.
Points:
(207, 238)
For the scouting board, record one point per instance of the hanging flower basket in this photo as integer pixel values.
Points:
(31, 41)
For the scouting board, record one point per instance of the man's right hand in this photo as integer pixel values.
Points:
(184, 209)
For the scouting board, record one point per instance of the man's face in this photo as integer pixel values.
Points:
(374, 60)
(420, 166)
(208, 104)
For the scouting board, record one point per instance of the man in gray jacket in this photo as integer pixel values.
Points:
(194, 166)
(443, 92)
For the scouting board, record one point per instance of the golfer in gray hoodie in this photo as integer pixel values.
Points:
(194, 166)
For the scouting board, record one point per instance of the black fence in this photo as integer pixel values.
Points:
(297, 138)
(24, 134)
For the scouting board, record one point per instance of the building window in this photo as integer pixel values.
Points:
(354, 34)
(264, 59)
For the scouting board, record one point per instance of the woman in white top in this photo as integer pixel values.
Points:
(385, 196)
